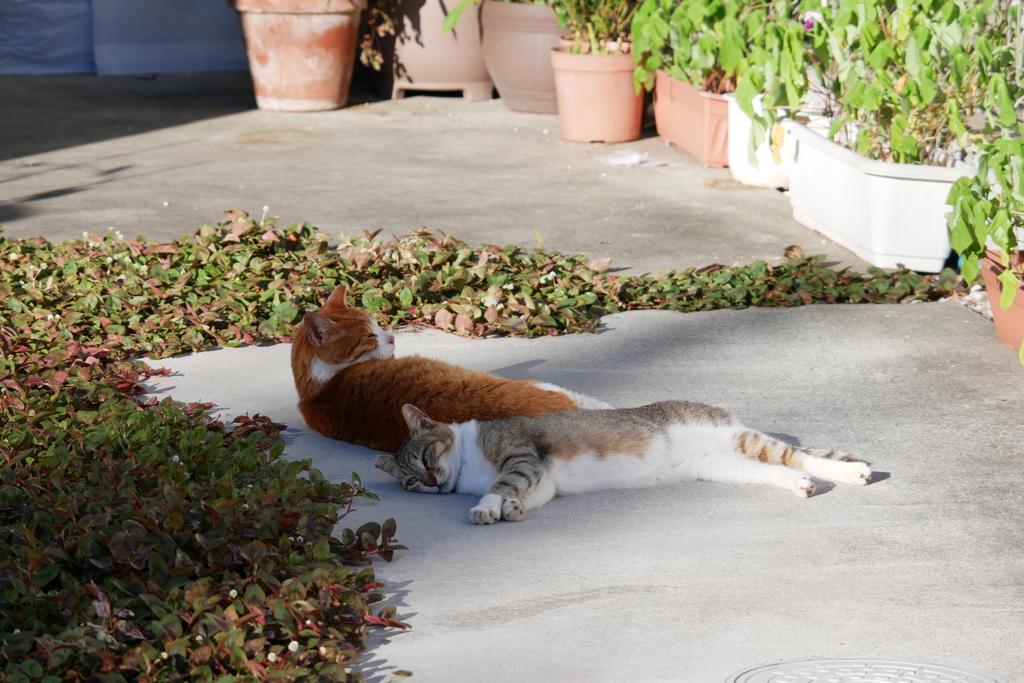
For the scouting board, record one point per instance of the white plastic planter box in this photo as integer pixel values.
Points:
(768, 173)
(888, 214)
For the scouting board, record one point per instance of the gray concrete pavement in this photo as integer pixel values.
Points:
(161, 157)
(693, 582)
(687, 583)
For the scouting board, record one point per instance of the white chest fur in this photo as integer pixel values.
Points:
(476, 473)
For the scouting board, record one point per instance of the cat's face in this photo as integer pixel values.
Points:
(342, 336)
(424, 463)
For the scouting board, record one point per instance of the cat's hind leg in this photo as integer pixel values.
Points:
(835, 466)
(825, 464)
(733, 468)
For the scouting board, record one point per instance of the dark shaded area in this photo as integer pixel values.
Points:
(45, 113)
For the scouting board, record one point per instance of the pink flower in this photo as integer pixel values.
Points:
(810, 17)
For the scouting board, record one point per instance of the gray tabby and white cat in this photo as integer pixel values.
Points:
(520, 463)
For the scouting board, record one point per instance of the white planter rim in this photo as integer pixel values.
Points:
(873, 167)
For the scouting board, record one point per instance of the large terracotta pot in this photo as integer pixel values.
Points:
(517, 40)
(597, 101)
(1009, 323)
(695, 121)
(422, 57)
(301, 52)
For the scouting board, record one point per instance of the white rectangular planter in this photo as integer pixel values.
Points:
(888, 214)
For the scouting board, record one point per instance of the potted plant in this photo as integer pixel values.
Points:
(405, 43)
(597, 100)
(985, 225)
(517, 39)
(785, 53)
(301, 52)
(690, 52)
(905, 84)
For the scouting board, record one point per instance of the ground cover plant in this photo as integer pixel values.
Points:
(141, 540)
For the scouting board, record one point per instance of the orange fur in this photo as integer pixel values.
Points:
(362, 403)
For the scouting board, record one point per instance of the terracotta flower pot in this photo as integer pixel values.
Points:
(1009, 323)
(695, 121)
(422, 57)
(597, 101)
(301, 52)
(517, 39)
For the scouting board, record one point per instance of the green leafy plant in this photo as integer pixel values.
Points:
(786, 57)
(762, 50)
(598, 26)
(988, 213)
(920, 81)
(701, 42)
(142, 540)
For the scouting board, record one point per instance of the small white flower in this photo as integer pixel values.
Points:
(233, 594)
(110, 259)
(300, 540)
(85, 235)
(293, 646)
(110, 228)
(291, 539)
(245, 506)
(49, 317)
(323, 650)
(12, 256)
(271, 657)
(17, 631)
(167, 203)
(175, 459)
(164, 655)
(199, 638)
(308, 622)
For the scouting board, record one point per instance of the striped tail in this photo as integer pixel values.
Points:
(762, 447)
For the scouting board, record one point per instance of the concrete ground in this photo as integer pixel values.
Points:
(687, 583)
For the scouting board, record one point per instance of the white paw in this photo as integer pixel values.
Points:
(512, 510)
(803, 487)
(856, 473)
(487, 511)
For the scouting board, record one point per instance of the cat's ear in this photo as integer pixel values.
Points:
(317, 327)
(338, 298)
(386, 462)
(416, 419)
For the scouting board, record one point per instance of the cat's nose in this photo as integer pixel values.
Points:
(389, 339)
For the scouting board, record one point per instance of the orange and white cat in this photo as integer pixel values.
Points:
(352, 388)
(517, 464)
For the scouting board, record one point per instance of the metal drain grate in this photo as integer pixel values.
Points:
(824, 670)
